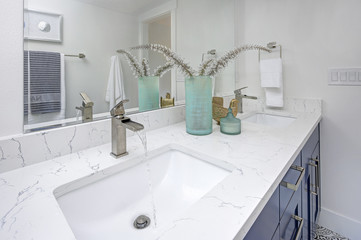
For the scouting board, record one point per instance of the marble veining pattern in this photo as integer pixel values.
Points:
(260, 157)
(18, 151)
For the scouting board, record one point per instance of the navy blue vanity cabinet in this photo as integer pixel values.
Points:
(276, 235)
(283, 207)
(290, 183)
(293, 210)
(266, 224)
(314, 168)
(291, 223)
(311, 185)
(305, 203)
(291, 219)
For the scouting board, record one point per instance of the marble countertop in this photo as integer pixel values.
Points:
(261, 156)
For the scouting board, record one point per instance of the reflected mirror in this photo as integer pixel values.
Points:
(73, 73)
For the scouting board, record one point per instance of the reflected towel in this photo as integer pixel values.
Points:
(115, 90)
(42, 81)
(39, 110)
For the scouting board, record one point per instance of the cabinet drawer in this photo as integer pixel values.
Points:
(291, 224)
(292, 177)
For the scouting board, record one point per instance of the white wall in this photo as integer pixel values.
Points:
(11, 72)
(214, 29)
(98, 33)
(316, 35)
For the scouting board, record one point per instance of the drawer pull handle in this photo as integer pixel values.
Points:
(299, 219)
(317, 185)
(316, 165)
(294, 187)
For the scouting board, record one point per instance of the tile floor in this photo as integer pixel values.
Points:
(326, 234)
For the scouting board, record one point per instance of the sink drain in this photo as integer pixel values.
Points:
(141, 222)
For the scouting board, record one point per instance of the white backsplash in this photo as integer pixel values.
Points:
(32, 148)
(292, 105)
(28, 149)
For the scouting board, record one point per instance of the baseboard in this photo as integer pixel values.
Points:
(343, 225)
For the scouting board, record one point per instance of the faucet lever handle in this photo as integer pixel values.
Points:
(238, 91)
(119, 108)
(86, 100)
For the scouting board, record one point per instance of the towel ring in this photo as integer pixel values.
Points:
(271, 45)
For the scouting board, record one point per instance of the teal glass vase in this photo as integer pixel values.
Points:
(148, 93)
(198, 91)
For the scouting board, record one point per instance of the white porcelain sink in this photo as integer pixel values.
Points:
(107, 208)
(270, 120)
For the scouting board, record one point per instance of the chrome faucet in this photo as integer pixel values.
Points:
(86, 108)
(240, 96)
(119, 125)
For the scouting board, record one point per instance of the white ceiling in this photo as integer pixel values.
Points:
(126, 6)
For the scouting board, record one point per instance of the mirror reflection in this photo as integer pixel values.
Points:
(73, 73)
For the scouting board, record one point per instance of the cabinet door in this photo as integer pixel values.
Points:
(309, 190)
(306, 203)
(315, 189)
(276, 235)
(266, 223)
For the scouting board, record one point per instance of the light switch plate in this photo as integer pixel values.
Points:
(344, 76)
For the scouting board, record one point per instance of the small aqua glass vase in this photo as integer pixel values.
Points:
(230, 125)
(198, 91)
(148, 93)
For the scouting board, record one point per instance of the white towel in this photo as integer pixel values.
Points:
(274, 96)
(271, 72)
(272, 82)
(115, 90)
(47, 117)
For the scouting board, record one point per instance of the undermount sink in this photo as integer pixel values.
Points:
(161, 187)
(270, 120)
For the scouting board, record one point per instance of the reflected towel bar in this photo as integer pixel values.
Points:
(80, 55)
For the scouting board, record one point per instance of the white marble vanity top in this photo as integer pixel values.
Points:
(261, 156)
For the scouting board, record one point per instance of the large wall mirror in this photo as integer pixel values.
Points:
(71, 61)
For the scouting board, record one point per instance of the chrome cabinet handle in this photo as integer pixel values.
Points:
(317, 161)
(317, 184)
(294, 187)
(299, 219)
(314, 185)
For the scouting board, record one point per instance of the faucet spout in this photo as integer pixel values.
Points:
(131, 125)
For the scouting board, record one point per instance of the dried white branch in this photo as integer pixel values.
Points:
(171, 56)
(204, 66)
(133, 63)
(220, 64)
(146, 69)
(161, 70)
